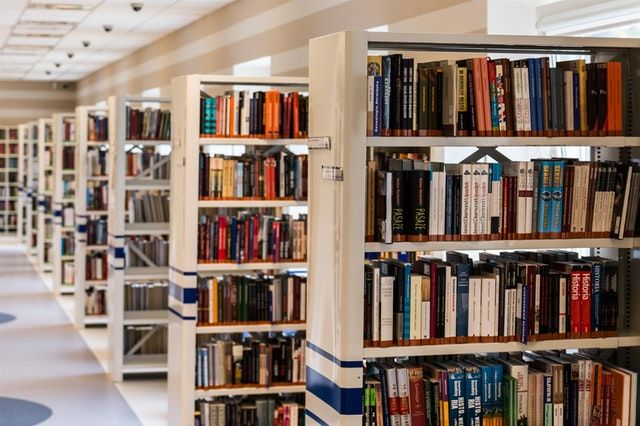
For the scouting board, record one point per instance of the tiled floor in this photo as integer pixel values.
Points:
(44, 359)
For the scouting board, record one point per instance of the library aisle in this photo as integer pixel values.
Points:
(47, 370)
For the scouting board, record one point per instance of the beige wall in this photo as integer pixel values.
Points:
(249, 29)
(22, 101)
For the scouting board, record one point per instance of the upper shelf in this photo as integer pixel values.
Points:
(497, 141)
(252, 141)
(503, 244)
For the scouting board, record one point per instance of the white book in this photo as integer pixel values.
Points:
(568, 100)
(514, 314)
(475, 306)
(466, 209)
(388, 182)
(303, 298)
(415, 320)
(426, 319)
(441, 201)
(483, 217)
(487, 300)
(433, 204)
(526, 100)
(386, 308)
(496, 309)
(245, 113)
(376, 304)
(392, 391)
(562, 312)
(581, 391)
(517, 89)
(451, 306)
(475, 199)
(447, 302)
(403, 392)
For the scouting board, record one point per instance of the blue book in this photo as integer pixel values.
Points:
(455, 391)
(406, 327)
(377, 105)
(234, 237)
(539, 99)
(597, 294)
(545, 186)
(533, 103)
(498, 394)
(495, 176)
(576, 102)
(386, 92)
(487, 387)
(472, 394)
(493, 100)
(557, 195)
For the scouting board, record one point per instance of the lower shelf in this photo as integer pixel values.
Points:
(96, 319)
(145, 317)
(257, 390)
(242, 328)
(147, 273)
(624, 339)
(136, 364)
(67, 289)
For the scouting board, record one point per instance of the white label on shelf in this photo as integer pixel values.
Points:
(332, 173)
(319, 142)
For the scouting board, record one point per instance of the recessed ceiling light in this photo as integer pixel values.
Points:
(58, 6)
(70, 55)
(42, 28)
(47, 72)
(86, 43)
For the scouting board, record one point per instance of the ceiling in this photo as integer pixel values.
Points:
(38, 36)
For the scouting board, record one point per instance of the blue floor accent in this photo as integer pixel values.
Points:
(20, 412)
(6, 317)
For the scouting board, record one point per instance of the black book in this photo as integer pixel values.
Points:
(408, 65)
(399, 172)
(592, 98)
(396, 94)
(601, 77)
(386, 95)
(417, 210)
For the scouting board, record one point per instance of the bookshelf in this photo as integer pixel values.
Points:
(127, 180)
(8, 180)
(64, 178)
(45, 193)
(185, 208)
(90, 146)
(32, 189)
(335, 322)
(23, 197)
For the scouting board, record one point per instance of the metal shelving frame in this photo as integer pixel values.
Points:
(45, 194)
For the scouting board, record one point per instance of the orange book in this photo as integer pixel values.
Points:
(268, 115)
(276, 114)
(617, 87)
(477, 92)
(485, 97)
(232, 115)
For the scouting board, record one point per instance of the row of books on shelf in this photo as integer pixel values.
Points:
(252, 237)
(97, 195)
(153, 248)
(69, 130)
(266, 361)
(259, 411)
(97, 232)
(144, 296)
(148, 206)
(279, 176)
(8, 220)
(8, 191)
(68, 215)
(148, 124)
(411, 199)
(493, 97)
(68, 188)
(68, 272)
(68, 157)
(95, 302)
(147, 158)
(513, 296)
(96, 266)
(96, 162)
(8, 148)
(67, 245)
(98, 130)
(11, 134)
(246, 299)
(547, 388)
(10, 163)
(270, 114)
(155, 344)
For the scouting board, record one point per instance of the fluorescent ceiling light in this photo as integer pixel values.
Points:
(32, 40)
(42, 28)
(26, 50)
(58, 6)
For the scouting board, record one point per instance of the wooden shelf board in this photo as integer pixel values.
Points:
(223, 267)
(251, 141)
(152, 228)
(145, 317)
(501, 244)
(96, 247)
(132, 184)
(147, 273)
(96, 319)
(147, 142)
(135, 364)
(257, 328)
(249, 203)
(208, 393)
(626, 339)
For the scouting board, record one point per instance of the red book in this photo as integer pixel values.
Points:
(477, 93)
(256, 237)
(575, 304)
(585, 300)
(296, 113)
(417, 407)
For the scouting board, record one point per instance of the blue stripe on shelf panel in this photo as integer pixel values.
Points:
(184, 295)
(81, 228)
(335, 360)
(116, 236)
(57, 213)
(179, 315)
(118, 252)
(185, 273)
(315, 417)
(346, 401)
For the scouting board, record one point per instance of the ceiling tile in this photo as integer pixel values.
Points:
(32, 41)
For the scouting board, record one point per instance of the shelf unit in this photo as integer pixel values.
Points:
(23, 197)
(32, 189)
(185, 209)
(45, 194)
(84, 216)
(338, 74)
(120, 229)
(64, 143)
(9, 180)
